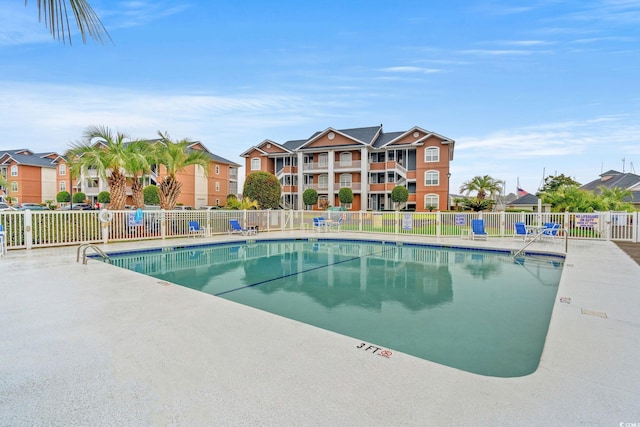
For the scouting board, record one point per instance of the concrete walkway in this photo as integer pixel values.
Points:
(96, 345)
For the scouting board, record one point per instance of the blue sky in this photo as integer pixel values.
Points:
(524, 88)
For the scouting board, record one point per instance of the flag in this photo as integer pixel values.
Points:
(521, 192)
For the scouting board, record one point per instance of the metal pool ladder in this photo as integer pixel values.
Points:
(84, 247)
(566, 242)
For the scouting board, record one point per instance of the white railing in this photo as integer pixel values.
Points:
(33, 229)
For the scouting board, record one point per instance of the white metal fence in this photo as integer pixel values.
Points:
(32, 229)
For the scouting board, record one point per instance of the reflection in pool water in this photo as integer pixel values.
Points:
(483, 312)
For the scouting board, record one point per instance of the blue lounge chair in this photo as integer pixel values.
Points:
(550, 231)
(319, 224)
(237, 228)
(522, 231)
(195, 229)
(477, 229)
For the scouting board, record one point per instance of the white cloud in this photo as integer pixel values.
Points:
(410, 69)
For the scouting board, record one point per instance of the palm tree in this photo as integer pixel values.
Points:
(483, 185)
(175, 157)
(56, 18)
(139, 164)
(113, 158)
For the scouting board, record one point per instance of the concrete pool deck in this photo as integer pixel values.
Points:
(97, 345)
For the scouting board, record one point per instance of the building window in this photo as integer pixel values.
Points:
(217, 169)
(345, 180)
(431, 202)
(345, 159)
(63, 169)
(217, 202)
(14, 170)
(63, 186)
(255, 164)
(432, 154)
(14, 186)
(323, 160)
(217, 185)
(323, 181)
(431, 178)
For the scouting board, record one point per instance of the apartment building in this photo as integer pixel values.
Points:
(198, 189)
(367, 160)
(31, 177)
(38, 177)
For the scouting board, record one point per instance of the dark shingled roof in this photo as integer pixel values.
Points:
(527, 199)
(294, 144)
(385, 138)
(365, 135)
(616, 180)
(30, 160)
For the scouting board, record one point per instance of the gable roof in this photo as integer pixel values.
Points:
(612, 179)
(527, 199)
(28, 158)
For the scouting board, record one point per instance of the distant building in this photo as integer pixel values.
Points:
(367, 160)
(615, 179)
(38, 177)
(528, 202)
(31, 177)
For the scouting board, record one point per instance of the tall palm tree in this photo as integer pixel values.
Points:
(483, 185)
(111, 159)
(56, 18)
(176, 156)
(139, 164)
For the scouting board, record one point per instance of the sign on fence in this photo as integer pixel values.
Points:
(459, 219)
(587, 220)
(407, 222)
(135, 218)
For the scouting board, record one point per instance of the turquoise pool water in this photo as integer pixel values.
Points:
(480, 311)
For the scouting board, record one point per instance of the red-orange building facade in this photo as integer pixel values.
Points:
(367, 160)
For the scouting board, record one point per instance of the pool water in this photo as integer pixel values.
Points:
(480, 311)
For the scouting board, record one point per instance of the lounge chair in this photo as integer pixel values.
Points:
(550, 231)
(195, 230)
(319, 224)
(336, 224)
(522, 231)
(477, 229)
(237, 228)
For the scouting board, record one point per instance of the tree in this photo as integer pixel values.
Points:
(615, 199)
(151, 195)
(79, 197)
(310, 197)
(483, 185)
(345, 195)
(176, 156)
(56, 19)
(553, 183)
(477, 204)
(399, 194)
(264, 188)
(138, 164)
(104, 197)
(110, 154)
(63, 197)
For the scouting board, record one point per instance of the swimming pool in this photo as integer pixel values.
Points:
(480, 311)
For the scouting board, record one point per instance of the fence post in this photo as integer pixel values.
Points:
(163, 224)
(438, 224)
(502, 223)
(634, 228)
(396, 222)
(28, 229)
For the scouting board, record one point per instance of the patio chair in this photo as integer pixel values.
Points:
(195, 230)
(522, 231)
(237, 228)
(319, 224)
(477, 229)
(3, 241)
(336, 224)
(550, 231)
